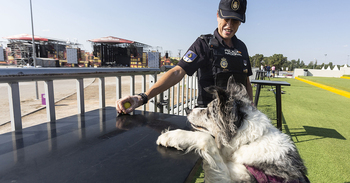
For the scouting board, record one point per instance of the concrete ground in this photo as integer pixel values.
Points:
(65, 98)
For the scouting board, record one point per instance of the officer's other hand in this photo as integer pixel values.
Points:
(135, 102)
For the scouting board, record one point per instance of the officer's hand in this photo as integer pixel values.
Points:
(135, 102)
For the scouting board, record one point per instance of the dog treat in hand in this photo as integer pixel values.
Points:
(127, 105)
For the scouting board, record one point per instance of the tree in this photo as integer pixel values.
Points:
(330, 65)
(292, 65)
(300, 64)
(311, 65)
(286, 65)
(315, 65)
(278, 60)
(174, 61)
(255, 60)
(322, 65)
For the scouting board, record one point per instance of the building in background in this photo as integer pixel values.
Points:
(48, 52)
(153, 59)
(107, 52)
(2, 54)
(118, 52)
(165, 61)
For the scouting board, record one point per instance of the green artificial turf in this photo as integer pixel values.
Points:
(338, 83)
(318, 121)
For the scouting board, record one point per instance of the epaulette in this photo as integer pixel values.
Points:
(206, 36)
(210, 40)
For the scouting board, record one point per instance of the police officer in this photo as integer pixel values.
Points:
(216, 57)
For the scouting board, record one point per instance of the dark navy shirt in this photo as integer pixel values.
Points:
(198, 58)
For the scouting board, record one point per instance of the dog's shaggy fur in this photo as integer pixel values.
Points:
(232, 135)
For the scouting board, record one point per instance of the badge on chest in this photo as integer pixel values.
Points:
(224, 64)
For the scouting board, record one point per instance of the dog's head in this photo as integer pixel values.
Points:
(224, 115)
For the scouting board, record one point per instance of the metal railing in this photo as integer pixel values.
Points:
(169, 101)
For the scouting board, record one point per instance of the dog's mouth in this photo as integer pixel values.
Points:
(199, 128)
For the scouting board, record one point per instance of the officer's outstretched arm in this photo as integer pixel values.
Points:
(169, 79)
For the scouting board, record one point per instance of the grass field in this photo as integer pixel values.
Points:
(339, 83)
(319, 124)
(318, 121)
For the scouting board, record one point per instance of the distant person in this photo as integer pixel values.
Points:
(273, 68)
(215, 58)
(268, 70)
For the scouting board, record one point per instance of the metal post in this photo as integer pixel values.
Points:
(143, 89)
(118, 87)
(279, 107)
(80, 96)
(102, 94)
(15, 106)
(171, 100)
(187, 88)
(153, 101)
(191, 92)
(183, 97)
(50, 101)
(178, 98)
(132, 85)
(33, 45)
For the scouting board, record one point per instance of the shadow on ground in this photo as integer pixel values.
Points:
(317, 132)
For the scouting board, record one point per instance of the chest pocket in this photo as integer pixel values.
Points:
(226, 63)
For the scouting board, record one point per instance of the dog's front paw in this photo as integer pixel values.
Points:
(174, 138)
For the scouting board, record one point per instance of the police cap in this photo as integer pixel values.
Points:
(232, 9)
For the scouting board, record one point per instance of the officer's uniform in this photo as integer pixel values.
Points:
(215, 63)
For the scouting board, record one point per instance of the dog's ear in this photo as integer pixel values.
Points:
(236, 90)
(218, 92)
(230, 82)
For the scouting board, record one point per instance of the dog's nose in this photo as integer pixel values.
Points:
(188, 110)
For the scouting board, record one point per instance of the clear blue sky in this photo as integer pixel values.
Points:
(299, 29)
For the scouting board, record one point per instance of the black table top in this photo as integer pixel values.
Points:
(95, 147)
(268, 82)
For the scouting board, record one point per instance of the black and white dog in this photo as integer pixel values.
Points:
(237, 142)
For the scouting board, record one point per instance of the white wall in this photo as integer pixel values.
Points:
(346, 70)
(323, 73)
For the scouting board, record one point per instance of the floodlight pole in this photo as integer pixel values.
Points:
(33, 45)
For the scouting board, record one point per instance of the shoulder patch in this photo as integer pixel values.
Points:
(190, 56)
